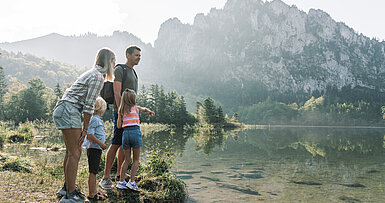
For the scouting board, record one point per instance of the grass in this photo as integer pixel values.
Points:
(31, 169)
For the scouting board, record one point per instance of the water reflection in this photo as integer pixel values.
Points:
(285, 165)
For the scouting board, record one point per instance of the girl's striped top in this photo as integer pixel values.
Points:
(131, 119)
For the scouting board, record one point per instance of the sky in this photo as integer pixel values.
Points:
(26, 19)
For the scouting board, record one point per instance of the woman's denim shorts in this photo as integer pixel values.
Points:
(67, 115)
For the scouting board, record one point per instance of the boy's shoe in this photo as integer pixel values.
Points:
(132, 186)
(73, 197)
(106, 184)
(62, 191)
(122, 185)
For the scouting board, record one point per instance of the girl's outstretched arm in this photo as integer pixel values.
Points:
(146, 110)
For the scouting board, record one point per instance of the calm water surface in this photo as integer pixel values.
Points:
(270, 165)
(284, 165)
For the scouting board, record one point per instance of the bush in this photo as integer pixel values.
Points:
(16, 164)
(24, 133)
(158, 183)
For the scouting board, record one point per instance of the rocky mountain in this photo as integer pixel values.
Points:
(251, 48)
(242, 54)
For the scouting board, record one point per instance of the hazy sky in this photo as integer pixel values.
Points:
(25, 19)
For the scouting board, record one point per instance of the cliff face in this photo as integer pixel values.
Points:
(273, 45)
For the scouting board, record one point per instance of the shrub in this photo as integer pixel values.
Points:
(16, 164)
(24, 133)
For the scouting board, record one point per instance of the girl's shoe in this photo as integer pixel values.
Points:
(132, 186)
(122, 185)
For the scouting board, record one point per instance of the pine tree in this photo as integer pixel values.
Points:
(3, 90)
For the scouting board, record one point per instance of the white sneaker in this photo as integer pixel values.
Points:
(106, 184)
(132, 186)
(122, 185)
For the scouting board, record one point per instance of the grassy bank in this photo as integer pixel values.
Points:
(31, 167)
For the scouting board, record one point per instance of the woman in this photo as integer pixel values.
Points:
(77, 100)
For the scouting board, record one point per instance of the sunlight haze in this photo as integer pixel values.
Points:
(24, 19)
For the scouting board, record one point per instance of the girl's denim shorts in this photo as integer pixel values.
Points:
(132, 137)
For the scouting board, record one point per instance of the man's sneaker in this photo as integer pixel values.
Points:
(132, 186)
(62, 191)
(73, 197)
(106, 184)
(122, 185)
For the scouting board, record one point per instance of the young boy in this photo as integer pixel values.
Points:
(95, 143)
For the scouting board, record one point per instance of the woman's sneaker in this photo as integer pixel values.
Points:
(132, 186)
(62, 191)
(73, 197)
(106, 184)
(122, 185)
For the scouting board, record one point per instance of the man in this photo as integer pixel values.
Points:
(120, 83)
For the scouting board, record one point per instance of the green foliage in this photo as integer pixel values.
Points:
(26, 67)
(157, 183)
(209, 113)
(268, 112)
(23, 133)
(313, 111)
(159, 164)
(3, 90)
(16, 164)
(169, 108)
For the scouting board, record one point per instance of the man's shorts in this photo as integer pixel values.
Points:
(117, 139)
(132, 137)
(93, 156)
(67, 115)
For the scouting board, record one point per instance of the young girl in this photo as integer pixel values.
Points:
(95, 143)
(128, 119)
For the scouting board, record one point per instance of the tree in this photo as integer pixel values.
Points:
(3, 90)
(28, 104)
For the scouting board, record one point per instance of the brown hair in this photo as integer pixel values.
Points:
(103, 59)
(131, 49)
(127, 101)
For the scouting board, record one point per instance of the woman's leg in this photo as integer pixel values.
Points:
(64, 165)
(71, 140)
(135, 162)
(127, 159)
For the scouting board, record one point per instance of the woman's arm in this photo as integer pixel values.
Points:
(86, 122)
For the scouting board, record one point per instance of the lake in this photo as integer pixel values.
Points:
(268, 164)
(284, 165)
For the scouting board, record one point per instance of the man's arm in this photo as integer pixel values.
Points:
(117, 90)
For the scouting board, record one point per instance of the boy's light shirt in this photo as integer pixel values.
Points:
(95, 128)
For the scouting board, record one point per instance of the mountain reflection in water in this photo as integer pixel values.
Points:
(284, 165)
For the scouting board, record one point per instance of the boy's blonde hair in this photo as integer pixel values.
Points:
(100, 106)
(127, 101)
